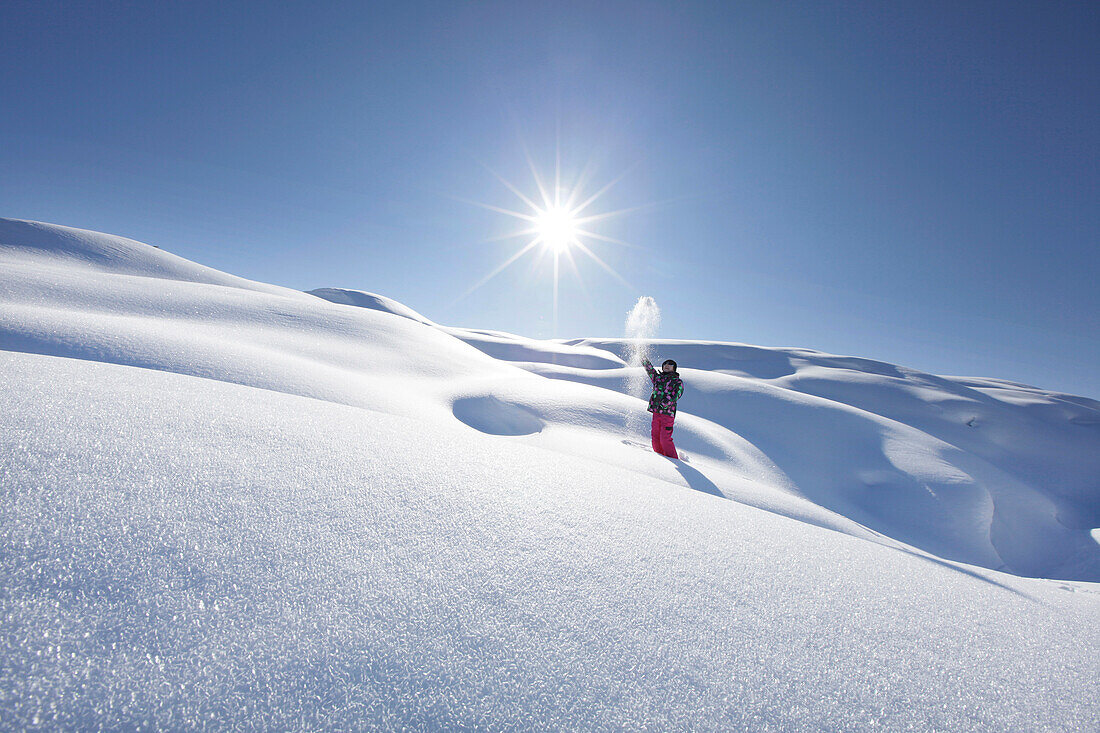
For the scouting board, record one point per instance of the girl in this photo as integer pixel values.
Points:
(667, 388)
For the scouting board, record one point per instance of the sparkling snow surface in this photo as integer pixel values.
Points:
(229, 505)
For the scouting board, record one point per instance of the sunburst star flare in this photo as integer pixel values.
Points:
(553, 225)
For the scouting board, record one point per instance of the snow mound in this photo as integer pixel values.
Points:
(509, 347)
(234, 505)
(497, 344)
(68, 246)
(363, 299)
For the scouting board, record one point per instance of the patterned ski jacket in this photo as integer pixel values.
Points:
(667, 388)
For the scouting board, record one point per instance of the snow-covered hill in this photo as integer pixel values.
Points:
(230, 504)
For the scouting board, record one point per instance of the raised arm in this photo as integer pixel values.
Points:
(649, 370)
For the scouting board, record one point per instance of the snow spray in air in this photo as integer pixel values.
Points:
(641, 328)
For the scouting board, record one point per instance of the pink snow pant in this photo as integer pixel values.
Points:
(662, 435)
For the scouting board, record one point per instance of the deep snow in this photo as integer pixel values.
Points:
(229, 504)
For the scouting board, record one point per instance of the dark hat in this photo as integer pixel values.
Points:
(669, 361)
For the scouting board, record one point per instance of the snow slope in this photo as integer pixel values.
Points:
(233, 505)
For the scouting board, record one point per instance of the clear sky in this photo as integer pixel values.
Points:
(912, 182)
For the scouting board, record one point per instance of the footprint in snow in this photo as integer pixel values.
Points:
(636, 444)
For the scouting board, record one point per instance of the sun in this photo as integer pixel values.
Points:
(557, 223)
(557, 228)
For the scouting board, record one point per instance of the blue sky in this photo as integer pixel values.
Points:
(912, 182)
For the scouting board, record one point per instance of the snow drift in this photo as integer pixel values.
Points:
(230, 504)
